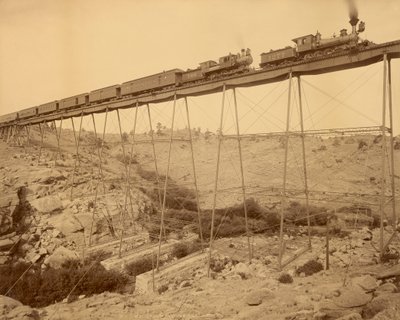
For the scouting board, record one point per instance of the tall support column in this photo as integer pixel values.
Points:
(154, 156)
(392, 181)
(58, 136)
(242, 173)
(126, 174)
(8, 134)
(383, 182)
(103, 137)
(303, 146)
(27, 130)
(194, 175)
(41, 129)
(283, 198)
(166, 183)
(128, 185)
(77, 144)
(100, 175)
(216, 178)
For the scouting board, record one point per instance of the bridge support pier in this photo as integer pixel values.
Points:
(242, 174)
(387, 97)
(216, 179)
(283, 195)
(99, 176)
(77, 144)
(58, 137)
(194, 175)
(162, 227)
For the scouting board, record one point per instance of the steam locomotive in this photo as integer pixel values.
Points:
(310, 46)
(307, 47)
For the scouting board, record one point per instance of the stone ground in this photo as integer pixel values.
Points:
(355, 287)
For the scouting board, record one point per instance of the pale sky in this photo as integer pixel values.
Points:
(52, 49)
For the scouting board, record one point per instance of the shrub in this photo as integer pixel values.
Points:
(127, 159)
(39, 289)
(180, 250)
(183, 249)
(97, 256)
(297, 214)
(139, 266)
(310, 267)
(285, 278)
(336, 142)
(162, 289)
(362, 144)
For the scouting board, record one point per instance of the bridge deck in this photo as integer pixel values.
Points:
(320, 65)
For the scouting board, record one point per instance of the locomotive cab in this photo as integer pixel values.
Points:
(305, 43)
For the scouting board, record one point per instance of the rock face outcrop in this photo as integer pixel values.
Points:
(47, 204)
(60, 256)
(11, 309)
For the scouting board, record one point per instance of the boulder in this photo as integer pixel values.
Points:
(5, 220)
(66, 223)
(389, 273)
(255, 298)
(47, 204)
(381, 303)
(243, 270)
(23, 313)
(6, 244)
(366, 282)
(7, 304)
(60, 256)
(386, 288)
(352, 297)
(351, 316)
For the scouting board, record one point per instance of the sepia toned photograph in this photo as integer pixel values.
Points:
(199, 160)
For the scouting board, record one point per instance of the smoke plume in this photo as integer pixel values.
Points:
(353, 12)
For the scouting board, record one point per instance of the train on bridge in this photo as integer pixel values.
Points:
(306, 47)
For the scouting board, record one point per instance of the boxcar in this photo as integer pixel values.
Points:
(192, 75)
(105, 93)
(27, 113)
(74, 101)
(8, 117)
(276, 56)
(155, 81)
(48, 107)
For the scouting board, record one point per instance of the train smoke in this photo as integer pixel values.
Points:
(353, 12)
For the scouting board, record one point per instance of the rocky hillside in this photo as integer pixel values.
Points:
(53, 205)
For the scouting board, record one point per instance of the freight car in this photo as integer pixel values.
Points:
(49, 107)
(160, 80)
(10, 117)
(105, 94)
(27, 113)
(73, 102)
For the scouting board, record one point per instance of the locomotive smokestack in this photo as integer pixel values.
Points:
(353, 14)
